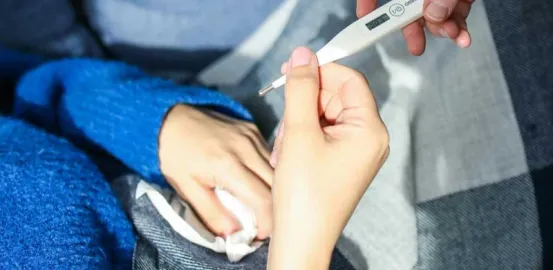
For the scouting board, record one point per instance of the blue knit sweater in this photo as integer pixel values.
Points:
(57, 209)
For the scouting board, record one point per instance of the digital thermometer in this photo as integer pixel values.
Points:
(364, 32)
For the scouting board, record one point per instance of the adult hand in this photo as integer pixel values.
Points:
(200, 150)
(330, 146)
(442, 18)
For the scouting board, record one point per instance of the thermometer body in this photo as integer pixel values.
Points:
(364, 32)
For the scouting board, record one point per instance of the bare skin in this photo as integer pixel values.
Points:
(200, 149)
(330, 146)
(442, 18)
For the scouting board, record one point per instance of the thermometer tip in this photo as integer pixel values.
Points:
(265, 90)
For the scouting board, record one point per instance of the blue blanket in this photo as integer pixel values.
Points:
(468, 182)
(57, 207)
(523, 31)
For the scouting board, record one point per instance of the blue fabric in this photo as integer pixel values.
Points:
(58, 211)
(99, 102)
(158, 35)
(46, 27)
(176, 35)
(523, 32)
(13, 64)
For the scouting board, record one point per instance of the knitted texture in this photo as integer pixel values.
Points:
(111, 105)
(58, 211)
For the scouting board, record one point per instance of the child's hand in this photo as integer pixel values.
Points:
(200, 150)
(330, 146)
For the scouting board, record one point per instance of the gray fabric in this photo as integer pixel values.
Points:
(47, 27)
(172, 36)
(160, 247)
(452, 129)
(382, 233)
(492, 227)
(465, 131)
(311, 23)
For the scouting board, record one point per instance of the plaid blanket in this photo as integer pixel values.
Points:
(468, 184)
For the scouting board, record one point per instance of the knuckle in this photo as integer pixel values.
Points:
(227, 161)
(386, 153)
(264, 225)
(221, 224)
(264, 232)
(382, 138)
(251, 130)
(251, 126)
(358, 77)
(243, 143)
(240, 140)
(379, 142)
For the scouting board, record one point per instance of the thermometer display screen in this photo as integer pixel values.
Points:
(378, 21)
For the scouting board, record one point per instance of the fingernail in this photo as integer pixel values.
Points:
(301, 57)
(437, 11)
(463, 43)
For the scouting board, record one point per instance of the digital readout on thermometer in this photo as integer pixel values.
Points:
(378, 21)
(388, 18)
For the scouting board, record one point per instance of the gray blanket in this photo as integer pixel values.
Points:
(467, 184)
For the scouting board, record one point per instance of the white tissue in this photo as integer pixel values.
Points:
(184, 221)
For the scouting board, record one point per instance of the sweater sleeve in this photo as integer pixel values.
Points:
(110, 105)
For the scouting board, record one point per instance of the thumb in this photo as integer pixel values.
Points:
(439, 10)
(302, 91)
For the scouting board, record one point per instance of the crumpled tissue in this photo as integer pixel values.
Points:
(186, 223)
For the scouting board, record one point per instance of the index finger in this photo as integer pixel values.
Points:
(250, 190)
(364, 7)
(346, 96)
(351, 85)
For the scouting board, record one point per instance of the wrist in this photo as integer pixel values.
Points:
(296, 247)
(291, 256)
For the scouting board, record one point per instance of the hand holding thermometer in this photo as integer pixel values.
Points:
(364, 32)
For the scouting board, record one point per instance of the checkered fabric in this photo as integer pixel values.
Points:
(469, 181)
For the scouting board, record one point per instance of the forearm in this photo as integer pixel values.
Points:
(297, 243)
